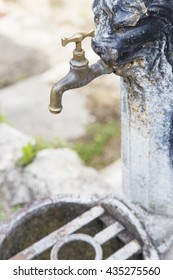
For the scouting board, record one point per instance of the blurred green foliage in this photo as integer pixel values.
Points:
(30, 151)
(28, 154)
(94, 145)
(2, 118)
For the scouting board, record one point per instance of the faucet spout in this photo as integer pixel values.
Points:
(80, 74)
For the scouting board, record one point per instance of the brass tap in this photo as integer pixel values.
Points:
(80, 73)
(78, 53)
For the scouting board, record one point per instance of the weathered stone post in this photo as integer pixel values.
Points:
(136, 38)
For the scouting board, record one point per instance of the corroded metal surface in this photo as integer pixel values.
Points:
(127, 216)
(77, 237)
(38, 220)
(126, 252)
(48, 241)
(120, 228)
(135, 37)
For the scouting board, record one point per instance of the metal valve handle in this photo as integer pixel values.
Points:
(77, 38)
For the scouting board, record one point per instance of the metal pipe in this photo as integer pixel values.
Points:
(80, 74)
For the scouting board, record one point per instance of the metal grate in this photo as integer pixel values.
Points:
(130, 248)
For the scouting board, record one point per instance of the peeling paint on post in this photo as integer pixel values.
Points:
(146, 140)
(136, 38)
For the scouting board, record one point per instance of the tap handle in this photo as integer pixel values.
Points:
(77, 38)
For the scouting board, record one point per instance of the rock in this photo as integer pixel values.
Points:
(112, 175)
(11, 143)
(18, 62)
(54, 171)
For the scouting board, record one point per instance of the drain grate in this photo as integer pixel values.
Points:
(131, 246)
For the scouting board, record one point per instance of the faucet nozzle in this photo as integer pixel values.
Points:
(55, 110)
(55, 106)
